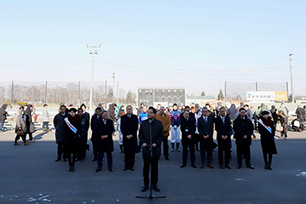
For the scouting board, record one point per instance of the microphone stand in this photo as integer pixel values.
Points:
(151, 196)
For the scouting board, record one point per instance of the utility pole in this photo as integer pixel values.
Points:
(114, 85)
(93, 51)
(105, 88)
(12, 93)
(46, 88)
(118, 91)
(292, 93)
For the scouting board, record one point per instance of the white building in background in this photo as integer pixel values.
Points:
(266, 96)
(164, 96)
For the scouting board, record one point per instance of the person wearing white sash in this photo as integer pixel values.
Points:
(266, 130)
(72, 130)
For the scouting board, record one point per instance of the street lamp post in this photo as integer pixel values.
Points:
(93, 50)
(292, 93)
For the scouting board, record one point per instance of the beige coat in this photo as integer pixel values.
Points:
(166, 122)
(20, 124)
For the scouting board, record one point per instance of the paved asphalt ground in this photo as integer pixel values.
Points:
(28, 174)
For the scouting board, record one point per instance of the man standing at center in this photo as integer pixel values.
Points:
(104, 141)
(243, 129)
(206, 129)
(151, 134)
(129, 127)
(165, 119)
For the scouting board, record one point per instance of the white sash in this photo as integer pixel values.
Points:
(267, 127)
(72, 128)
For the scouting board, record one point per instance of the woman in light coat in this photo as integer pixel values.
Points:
(45, 118)
(21, 125)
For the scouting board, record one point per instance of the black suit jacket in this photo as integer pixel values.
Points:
(154, 130)
(206, 128)
(223, 129)
(190, 125)
(129, 126)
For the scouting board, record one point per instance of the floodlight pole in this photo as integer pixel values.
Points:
(292, 93)
(93, 51)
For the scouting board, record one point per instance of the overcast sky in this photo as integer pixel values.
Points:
(154, 43)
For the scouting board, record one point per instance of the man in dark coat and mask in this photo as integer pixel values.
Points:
(84, 126)
(60, 125)
(102, 135)
(129, 127)
(151, 134)
(95, 121)
(243, 128)
(29, 123)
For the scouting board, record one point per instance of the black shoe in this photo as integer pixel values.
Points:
(228, 167)
(132, 169)
(167, 158)
(111, 170)
(69, 170)
(98, 169)
(270, 167)
(238, 167)
(125, 168)
(178, 150)
(266, 166)
(58, 159)
(221, 166)
(172, 150)
(64, 159)
(72, 168)
(193, 166)
(144, 188)
(250, 167)
(183, 165)
(156, 188)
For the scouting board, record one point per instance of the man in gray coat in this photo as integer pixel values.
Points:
(3, 115)
(59, 125)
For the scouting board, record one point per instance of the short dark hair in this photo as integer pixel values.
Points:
(174, 104)
(72, 110)
(63, 106)
(187, 107)
(98, 109)
(153, 109)
(242, 109)
(45, 105)
(222, 108)
(246, 105)
(80, 109)
(83, 105)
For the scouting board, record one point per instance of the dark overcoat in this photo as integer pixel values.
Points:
(267, 139)
(243, 127)
(72, 139)
(98, 129)
(155, 131)
(60, 125)
(129, 126)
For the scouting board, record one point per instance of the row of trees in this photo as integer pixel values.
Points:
(72, 93)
